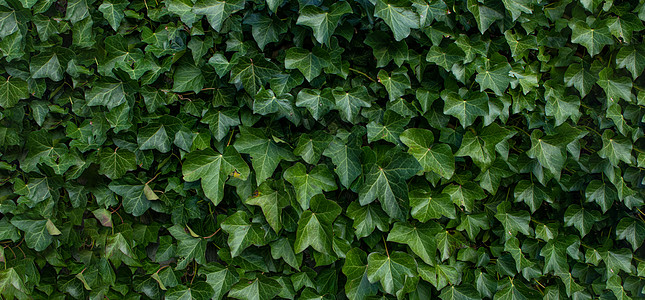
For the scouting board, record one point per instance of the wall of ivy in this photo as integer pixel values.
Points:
(319, 149)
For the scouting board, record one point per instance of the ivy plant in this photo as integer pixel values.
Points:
(321, 149)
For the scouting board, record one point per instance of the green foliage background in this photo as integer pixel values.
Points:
(321, 149)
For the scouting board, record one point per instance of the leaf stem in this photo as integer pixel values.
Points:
(359, 72)
(385, 243)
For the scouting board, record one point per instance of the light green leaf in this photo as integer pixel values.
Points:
(308, 185)
(310, 64)
(426, 206)
(315, 226)
(398, 15)
(386, 180)
(12, 90)
(265, 153)
(594, 39)
(513, 221)
(115, 163)
(581, 218)
(317, 102)
(395, 83)
(242, 233)
(113, 12)
(346, 158)
(323, 23)
(420, 238)
(531, 193)
(217, 11)
(391, 270)
(484, 15)
(367, 218)
(632, 230)
(467, 108)
(214, 170)
(358, 287)
(349, 103)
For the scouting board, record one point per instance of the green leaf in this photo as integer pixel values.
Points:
(563, 108)
(308, 185)
(386, 50)
(615, 148)
(261, 288)
(398, 15)
(461, 292)
(632, 230)
(282, 249)
(594, 39)
(620, 259)
(113, 12)
(109, 94)
(265, 153)
(217, 11)
(555, 257)
(358, 285)
(601, 193)
(323, 23)
(253, 72)
(115, 163)
(465, 194)
(446, 57)
(311, 146)
(496, 78)
(198, 291)
(390, 270)
(214, 170)
(433, 158)
(242, 233)
(420, 238)
(266, 29)
(396, 83)
(467, 108)
(46, 65)
(582, 219)
(531, 193)
(484, 15)
(12, 90)
(367, 218)
(632, 59)
(310, 64)
(349, 103)
(579, 76)
(135, 201)
(317, 102)
(315, 226)
(389, 129)
(36, 235)
(188, 77)
(266, 102)
(345, 157)
(513, 221)
(219, 278)
(550, 156)
(473, 224)
(426, 206)
(615, 88)
(385, 180)
(271, 201)
(221, 121)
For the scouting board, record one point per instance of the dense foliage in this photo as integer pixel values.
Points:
(322, 149)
